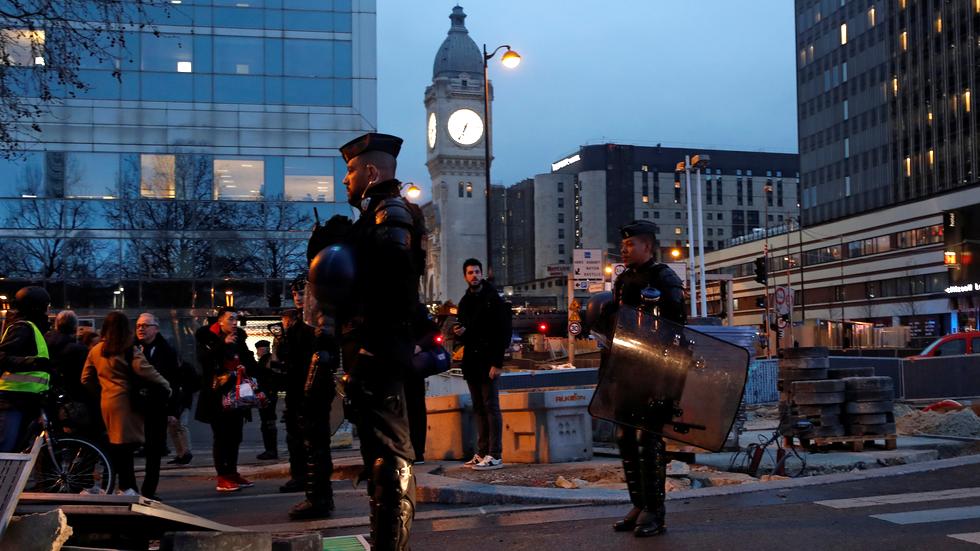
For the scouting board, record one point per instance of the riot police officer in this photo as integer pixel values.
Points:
(643, 452)
(370, 287)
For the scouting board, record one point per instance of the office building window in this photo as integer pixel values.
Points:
(708, 194)
(561, 187)
(721, 216)
(461, 192)
(561, 217)
(677, 231)
(469, 190)
(779, 193)
(738, 191)
(656, 214)
(749, 193)
(24, 48)
(561, 249)
(308, 178)
(646, 214)
(561, 202)
(22, 176)
(561, 233)
(239, 179)
(157, 176)
(89, 175)
(677, 215)
(166, 53)
(239, 55)
(718, 196)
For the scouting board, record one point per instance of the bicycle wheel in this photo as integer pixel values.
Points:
(71, 466)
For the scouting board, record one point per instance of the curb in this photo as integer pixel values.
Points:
(441, 489)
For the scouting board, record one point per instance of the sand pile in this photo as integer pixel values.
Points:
(955, 423)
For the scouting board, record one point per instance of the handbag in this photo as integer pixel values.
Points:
(244, 395)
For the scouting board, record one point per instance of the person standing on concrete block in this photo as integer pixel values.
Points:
(644, 453)
(484, 328)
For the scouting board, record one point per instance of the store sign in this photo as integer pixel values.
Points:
(960, 289)
(565, 162)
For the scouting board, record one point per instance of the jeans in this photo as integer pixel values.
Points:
(11, 421)
(227, 437)
(489, 422)
(180, 433)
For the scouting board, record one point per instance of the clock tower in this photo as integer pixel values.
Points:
(455, 130)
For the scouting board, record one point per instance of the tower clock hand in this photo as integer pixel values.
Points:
(463, 131)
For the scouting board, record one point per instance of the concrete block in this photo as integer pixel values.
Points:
(298, 542)
(549, 426)
(42, 532)
(216, 541)
(451, 429)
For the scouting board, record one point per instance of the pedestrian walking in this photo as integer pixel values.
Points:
(483, 326)
(368, 293)
(25, 370)
(115, 369)
(221, 350)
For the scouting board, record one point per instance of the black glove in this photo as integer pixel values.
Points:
(331, 233)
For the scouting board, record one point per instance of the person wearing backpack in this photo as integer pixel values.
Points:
(113, 369)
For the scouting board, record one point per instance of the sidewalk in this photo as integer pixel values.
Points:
(913, 454)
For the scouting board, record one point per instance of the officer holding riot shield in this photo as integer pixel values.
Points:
(367, 289)
(654, 288)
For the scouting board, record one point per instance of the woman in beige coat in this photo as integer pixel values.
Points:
(111, 366)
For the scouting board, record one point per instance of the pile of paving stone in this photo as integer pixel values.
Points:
(835, 402)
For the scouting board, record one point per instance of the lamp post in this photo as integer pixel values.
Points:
(509, 59)
(685, 165)
(699, 162)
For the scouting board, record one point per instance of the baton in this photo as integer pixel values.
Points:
(316, 216)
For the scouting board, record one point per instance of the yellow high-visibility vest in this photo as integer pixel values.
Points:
(33, 382)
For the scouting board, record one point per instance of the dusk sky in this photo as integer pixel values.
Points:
(710, 73)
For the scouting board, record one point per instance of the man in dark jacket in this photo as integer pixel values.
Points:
(220, 350)
(24, 367)
(268, 375)
(158, 352)
(295, 349)
(484, 328)
(644, 453)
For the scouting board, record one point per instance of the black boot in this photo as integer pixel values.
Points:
(393, 504)
(653, 473)
(629, 451)
(269, 441)
(307, 509)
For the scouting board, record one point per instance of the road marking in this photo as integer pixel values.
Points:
(931, 515)
(973, 537)
(894, 499)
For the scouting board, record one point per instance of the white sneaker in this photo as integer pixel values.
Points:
(473, 462)
(489, 464)
(128, 492)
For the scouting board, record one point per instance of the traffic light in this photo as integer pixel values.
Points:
(761, 276)
(543, 327)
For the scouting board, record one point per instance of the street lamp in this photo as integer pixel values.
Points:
(413, 191)
(700, 162)
(509, 59)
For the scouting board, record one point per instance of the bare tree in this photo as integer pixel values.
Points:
(53, 242)
(281, 255)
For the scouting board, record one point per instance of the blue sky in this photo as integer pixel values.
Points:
(686, 73)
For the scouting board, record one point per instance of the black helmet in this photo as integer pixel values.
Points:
(298, 283)
(32, 299)
(596, 309)
(332, 274)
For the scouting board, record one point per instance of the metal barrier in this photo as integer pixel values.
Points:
(760, 388)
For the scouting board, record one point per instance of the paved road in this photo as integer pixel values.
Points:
(840, 516)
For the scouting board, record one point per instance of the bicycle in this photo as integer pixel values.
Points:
(785, 463)
(67, 464)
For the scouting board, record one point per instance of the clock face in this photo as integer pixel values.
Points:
(432, 130)
(465, 126)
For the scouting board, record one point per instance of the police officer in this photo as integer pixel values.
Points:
(24, 367)
(268, 374)
(295, 349)
(643, 453)
(383, 262)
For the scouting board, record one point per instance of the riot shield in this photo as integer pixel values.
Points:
(671, 380)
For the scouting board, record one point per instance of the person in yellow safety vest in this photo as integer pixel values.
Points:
(25, 371)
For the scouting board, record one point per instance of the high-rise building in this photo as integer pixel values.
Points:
(885, 102)
(191, 180)
(591, 193)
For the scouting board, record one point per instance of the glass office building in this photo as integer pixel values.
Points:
(191, 179)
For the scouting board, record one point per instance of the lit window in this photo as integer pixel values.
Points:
(308, 178)
(932, 157)
(895, 85)
(157, 176)
(966, 101)
(24, 48)
(240, 179)
(184, 67)
(847, 147)
(939, 24)
(843, 33)
(646, 198)
(871, 17)
(677, 231)
(908, 166)
(903, 40)
(929, 115)
(845, 110)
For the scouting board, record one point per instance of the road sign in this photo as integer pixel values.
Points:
(783, 299)
(587, 264)
(573, 308)
(582, 285)
(597, 286)
(574, 328)
(556, 270)
(618, 269)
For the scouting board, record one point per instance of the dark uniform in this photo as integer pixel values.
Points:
(294, 349)
(376, 325)
(644, 453)
(269, 376)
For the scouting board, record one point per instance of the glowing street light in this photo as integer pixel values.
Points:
(675, 253)
(413, 191)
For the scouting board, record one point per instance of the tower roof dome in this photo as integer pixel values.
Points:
(458, 53)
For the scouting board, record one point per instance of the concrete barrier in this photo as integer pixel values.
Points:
(547, 426)
(450, 427)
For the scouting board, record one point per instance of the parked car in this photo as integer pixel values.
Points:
(955, 344)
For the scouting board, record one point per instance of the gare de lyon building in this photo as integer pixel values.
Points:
(191, 182)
